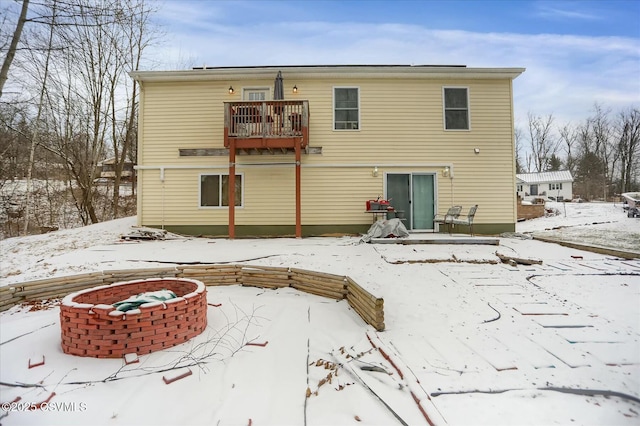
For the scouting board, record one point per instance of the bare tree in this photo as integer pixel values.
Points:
(36, 133)
(90, 99)
(87, 106)
(569, 136)
(11, 53)
(602, 132)
(517, 135)
(628, 147)
(137, 35)
(543, 144)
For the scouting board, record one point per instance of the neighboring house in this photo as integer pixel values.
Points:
(426, 137)
(557, 185)
(108, 169)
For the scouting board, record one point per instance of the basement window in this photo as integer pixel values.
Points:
(214, 190)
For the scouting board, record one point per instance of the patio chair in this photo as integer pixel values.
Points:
(468, 221)
(449, 217)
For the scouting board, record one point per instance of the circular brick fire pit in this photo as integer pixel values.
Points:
(91, 326)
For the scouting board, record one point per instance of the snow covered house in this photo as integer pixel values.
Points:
(554, 185)
(304, 147)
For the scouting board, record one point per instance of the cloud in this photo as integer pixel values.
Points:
(548, 12)
(566, 74)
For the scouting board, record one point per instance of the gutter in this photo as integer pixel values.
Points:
(323, 72)
(310, 166)
(162, 168)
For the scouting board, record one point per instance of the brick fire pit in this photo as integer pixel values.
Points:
(92, 327)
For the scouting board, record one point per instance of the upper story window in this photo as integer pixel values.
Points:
(255, 94)
(214, 190)
(456, 108)
(346, 108)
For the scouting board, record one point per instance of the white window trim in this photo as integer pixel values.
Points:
(557, 186)
(268, 96)
(444, 118)
(221, 207)
(333, 109)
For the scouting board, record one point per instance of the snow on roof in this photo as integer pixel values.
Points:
(544, 177)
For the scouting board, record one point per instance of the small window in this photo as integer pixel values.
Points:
(255, 94)
(519, 188)
(214, 190)
(346, 108)
(456, 108)
(555, 186)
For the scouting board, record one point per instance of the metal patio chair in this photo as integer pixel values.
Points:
(468, 220)
(452, 214)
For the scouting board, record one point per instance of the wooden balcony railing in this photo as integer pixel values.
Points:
(266, 124)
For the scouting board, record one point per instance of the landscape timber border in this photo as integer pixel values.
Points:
(369, 307)
(626, 254)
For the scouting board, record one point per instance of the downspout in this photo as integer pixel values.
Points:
(232, 189)
(514, 216)
(162, 192)
(298, 191)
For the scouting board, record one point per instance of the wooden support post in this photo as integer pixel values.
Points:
(298, 197)
(232, 189)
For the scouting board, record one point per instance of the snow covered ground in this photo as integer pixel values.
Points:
(604, 224)
(471, 340)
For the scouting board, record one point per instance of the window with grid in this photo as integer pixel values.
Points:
(456, 108)
(346, 108)
(214, 190)
(555, 186)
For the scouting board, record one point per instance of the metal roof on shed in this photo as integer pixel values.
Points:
(545, 177)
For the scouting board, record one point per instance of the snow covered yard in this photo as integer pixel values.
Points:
(603, 224)
(473, 340)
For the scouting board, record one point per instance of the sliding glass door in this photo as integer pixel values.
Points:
(414, 193)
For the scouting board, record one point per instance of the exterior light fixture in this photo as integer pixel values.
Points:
(445, 172)
(295, 89)
(231, 90)
(375, 172)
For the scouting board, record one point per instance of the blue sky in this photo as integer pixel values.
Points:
(576, 52)
(590, 18)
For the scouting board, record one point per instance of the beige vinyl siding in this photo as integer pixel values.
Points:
(181, 116)
(401, 122)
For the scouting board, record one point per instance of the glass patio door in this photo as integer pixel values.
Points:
(414, 194)
(399, 192)
(422, 201)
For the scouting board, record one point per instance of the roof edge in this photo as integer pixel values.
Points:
(545, 177)
(302, 72)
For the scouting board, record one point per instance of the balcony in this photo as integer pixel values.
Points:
(266, 125)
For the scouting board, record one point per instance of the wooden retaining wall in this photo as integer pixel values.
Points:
(338, 287)
(530, 211)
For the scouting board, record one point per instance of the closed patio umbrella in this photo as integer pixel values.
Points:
(278, 94)
(278, 88)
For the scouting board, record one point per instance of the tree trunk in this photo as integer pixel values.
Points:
(6, 64)
(34, 139)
